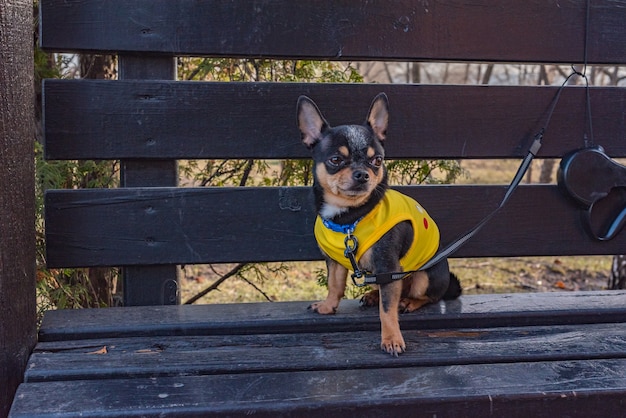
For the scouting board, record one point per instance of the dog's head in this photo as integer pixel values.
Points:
(349, 159)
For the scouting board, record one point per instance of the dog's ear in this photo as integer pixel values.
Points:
(310, 121)
(378, 116)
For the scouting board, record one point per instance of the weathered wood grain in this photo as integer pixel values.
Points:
(156, 120)
(132, 357)
(509, 31)
(18, 326)
(148, 285)
(471, 311)
(177, 225)
(574, 388)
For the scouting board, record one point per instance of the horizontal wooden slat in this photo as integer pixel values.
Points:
(141, 119)
(469, 311)
(201, 355)
(538, 389)
(241, 358)
(507, 31)
(95, 227)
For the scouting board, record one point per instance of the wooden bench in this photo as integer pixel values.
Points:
(546, 354)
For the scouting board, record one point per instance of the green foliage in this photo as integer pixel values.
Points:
(295, 173)
(62, 288)
(227, 69)
(45, 66)
(65, 288)
(253, 274)
(224, 172)
(403, 172)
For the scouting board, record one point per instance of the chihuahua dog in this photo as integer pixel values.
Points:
(385, 230)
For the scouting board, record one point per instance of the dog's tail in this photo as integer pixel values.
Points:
(454, 288)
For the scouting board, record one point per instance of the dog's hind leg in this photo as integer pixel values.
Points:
(414, 294)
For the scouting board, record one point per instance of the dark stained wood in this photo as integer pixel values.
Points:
(149, 285)
(580, 388)
(142, 119)
(186, 368)
(344, 350)
(149, 173)
(176, 225)
(471, 311)
(253, 353)
(509, 31)
(17, 198)
(522, 355)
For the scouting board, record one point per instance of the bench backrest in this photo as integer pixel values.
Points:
(148, 121)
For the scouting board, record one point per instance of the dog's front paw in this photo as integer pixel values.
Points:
(393, 345)
(323, 308)
(370, 299)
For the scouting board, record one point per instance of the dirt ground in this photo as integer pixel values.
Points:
(543, 274)
(553, 278)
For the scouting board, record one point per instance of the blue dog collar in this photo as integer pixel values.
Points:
(344, 229)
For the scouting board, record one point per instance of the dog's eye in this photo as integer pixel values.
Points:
(377, 161)
(335, 160)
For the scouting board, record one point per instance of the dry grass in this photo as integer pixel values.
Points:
(298, 282)
(481, 275)
(532, 274)
(500, 171)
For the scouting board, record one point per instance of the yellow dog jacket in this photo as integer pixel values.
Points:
(390, 211)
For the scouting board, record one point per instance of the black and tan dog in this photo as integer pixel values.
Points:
(393, 232)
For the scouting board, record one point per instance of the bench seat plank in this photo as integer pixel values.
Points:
(470, 311)
(119, 358)
(95, 119)
(580, 388)
(134, 226)
(280, 360)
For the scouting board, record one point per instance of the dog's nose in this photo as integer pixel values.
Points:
(361, 176)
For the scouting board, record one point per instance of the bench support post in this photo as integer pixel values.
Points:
(149, 285)
(17, 196)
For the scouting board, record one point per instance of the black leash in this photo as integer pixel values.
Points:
(521, 171)
(367, 278)
(384, 278)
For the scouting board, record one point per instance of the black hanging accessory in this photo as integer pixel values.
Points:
(597, 184)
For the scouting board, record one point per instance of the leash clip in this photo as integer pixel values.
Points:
(352, 244)
(356, 279)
